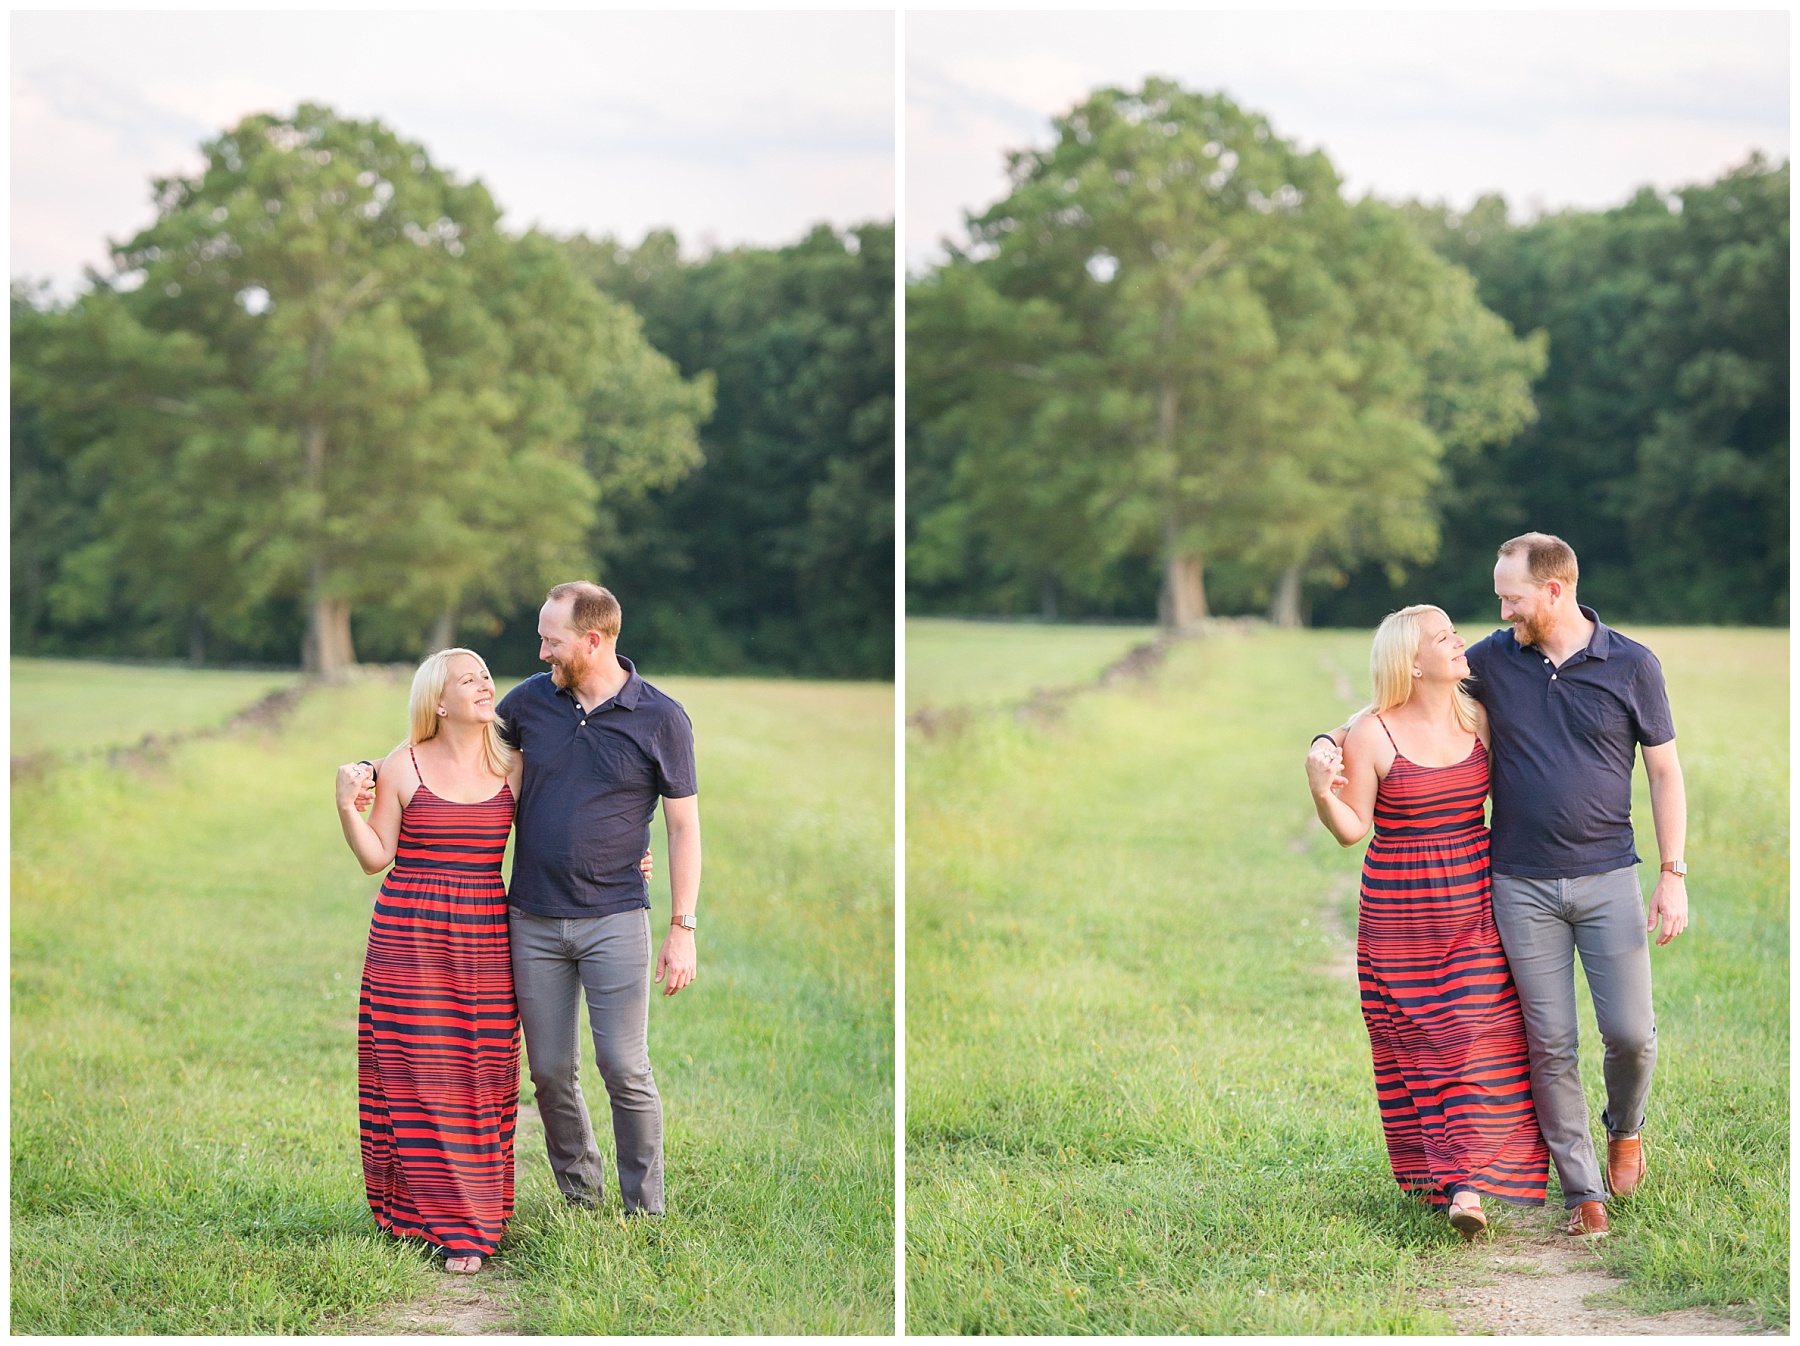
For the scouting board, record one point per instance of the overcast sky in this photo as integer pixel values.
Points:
(1553, 109)
(731, 127)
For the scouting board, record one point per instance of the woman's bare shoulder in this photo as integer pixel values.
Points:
(400, 760)
(1366, 732)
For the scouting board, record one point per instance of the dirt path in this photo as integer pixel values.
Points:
(1528, 1280)
(465, 1306)
(461, 1306)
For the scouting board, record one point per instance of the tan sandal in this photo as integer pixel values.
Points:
(1468, 1220)
(465, 1269)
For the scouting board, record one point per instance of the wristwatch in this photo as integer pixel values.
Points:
(1676, 867)
(686, 922)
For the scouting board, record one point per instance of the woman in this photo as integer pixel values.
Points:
(437, 1026)
(1443, 1016)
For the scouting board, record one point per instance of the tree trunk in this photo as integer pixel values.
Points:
(196, 639)
(443, 632)
(328, 649)
(1183, 605)
(1047, 597)
(1184, 593)
(328, 653)
(1285, 609)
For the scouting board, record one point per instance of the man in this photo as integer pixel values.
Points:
(1569, 702)
(600, 747)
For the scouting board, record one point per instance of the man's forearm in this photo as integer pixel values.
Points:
(684, 871)
(1668, 810)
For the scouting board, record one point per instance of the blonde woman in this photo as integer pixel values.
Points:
(1448, 1039)
(438, 1026)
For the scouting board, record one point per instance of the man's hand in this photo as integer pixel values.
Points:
(356, 786)
(1325, 768)
(1668, 908)
(676, 957)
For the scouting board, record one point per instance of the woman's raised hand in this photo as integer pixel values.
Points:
(355, 786)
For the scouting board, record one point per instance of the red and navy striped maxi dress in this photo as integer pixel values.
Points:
(1448, 1038)
(438, 1031)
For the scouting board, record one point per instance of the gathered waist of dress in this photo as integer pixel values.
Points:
(458, 868)
(1452, 831)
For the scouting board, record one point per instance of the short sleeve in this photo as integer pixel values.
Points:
(673, 753)
(1651, 721)
(1478, 655)
(506, 714)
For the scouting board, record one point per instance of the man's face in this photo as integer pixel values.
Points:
(1523, 601)
(568, 652)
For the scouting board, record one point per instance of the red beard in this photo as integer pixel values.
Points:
(1533, 630)
(570, 672)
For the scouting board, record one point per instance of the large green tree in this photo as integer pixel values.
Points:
(1173, 335)
(325, 374)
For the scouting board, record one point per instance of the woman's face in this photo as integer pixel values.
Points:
(468, 691)
(1440, 657)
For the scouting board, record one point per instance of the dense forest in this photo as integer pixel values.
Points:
(325, 410)
(1175, 372)
(778, 553)
(1660, 450)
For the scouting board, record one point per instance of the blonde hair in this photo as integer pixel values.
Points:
(428, 689)
(1391, 660)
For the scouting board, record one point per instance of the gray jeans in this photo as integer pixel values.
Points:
(1542, 922)
(554, 961)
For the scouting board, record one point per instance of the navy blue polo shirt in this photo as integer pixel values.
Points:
(1565, 743)
(590, 787)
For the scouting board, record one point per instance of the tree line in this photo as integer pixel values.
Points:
(325, 408)
(1175, 372)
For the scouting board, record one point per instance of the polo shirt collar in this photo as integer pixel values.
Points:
(626, 698)
(634, 685)
(1600, 643)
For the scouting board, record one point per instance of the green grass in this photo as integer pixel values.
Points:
(62, 705)
(187, 938)
(986, 663)
(1138, 1100)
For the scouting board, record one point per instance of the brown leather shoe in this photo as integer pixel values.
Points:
(1587, 1221)
(1625, 1166)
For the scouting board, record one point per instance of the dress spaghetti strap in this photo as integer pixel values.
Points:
(421, 779)
(1378, 720)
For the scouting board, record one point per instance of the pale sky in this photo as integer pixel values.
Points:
(730, 127)
(1551, 108)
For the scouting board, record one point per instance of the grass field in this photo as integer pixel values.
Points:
(61, 705)
(187, 937)
(1138, 1089)
(987, 663)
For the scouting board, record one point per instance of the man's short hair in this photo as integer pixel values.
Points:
(1546, 557)
(593, 608)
